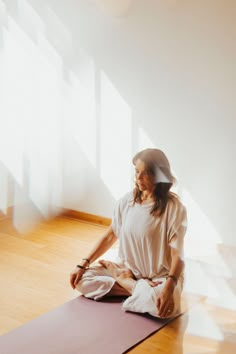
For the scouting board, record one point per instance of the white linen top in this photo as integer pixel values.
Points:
(144, 239)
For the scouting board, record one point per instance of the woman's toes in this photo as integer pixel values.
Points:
(104, 263)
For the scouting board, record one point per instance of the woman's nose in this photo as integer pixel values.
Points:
(139, 175)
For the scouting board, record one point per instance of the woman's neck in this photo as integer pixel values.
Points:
(146, 195)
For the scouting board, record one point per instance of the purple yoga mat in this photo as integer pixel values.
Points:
(81, 326)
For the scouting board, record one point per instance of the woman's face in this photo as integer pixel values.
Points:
(143, 179)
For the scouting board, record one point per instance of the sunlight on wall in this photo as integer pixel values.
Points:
(144, 140)
(29, 20)
(202, 231)
(80, 107)
(115, 139)
(30, 115)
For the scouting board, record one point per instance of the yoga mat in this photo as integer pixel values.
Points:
(81, 326)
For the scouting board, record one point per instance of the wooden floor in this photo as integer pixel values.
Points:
(34, 278)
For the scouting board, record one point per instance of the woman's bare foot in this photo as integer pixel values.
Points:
(116, 271)
(153, 283)
(123, 276)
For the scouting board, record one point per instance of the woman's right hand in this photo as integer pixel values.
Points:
(99, 249)
(75, 276)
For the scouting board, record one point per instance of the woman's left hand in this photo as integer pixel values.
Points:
(165, 303)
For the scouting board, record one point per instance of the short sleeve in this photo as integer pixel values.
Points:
(177, 225)
(118, 212)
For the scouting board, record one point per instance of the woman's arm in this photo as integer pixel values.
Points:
(165, 300)
(98, 250)
(177, 266)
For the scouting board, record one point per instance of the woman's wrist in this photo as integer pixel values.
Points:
(81, 267)
(87, 260)
(170, 284)
(84, 264)
(173, 277)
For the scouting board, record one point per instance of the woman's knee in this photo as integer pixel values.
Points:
(144, 299)
(96, 287)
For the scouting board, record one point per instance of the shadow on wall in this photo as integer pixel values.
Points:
(90, 189)
(25, 214)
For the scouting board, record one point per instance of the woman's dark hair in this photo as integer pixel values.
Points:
(157, 165)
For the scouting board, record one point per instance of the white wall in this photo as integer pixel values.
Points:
(157, 72)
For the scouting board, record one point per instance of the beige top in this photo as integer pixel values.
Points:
(145, 239)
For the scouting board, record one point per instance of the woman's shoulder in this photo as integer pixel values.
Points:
(126, 198)
(175, 202)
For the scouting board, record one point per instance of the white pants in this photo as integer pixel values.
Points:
(97, 282)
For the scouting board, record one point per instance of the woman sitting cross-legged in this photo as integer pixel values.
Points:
(150, 224)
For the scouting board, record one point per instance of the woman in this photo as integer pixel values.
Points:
(150, 224)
